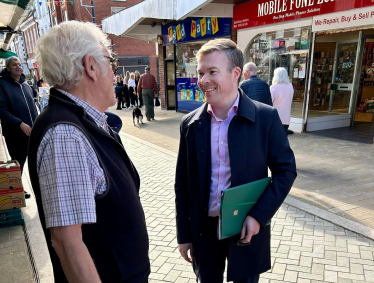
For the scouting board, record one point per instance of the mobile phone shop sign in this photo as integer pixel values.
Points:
(346, 19)
(264, 12)
(195, 29)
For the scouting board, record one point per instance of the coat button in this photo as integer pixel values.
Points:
(201, 235)
(202, 151)
(199, 123)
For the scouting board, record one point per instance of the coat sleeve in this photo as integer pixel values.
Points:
(282, 165)
(182, 194)
(5, 115)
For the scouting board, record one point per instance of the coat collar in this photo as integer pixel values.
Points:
(246, 110)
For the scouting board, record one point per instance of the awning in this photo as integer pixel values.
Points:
(12, 14)
(6, 54)
(144, 19)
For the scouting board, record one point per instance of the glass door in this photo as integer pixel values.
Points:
(341, 94)
(170, 84)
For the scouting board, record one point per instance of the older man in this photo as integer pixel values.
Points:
(87, 188)
(253, 87)
(17, 110)
(229, 141)
(148, 87)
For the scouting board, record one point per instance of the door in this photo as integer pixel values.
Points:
(344, 75)
(170, 84)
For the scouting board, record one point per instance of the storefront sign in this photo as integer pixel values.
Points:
(195, 29)
(264, 12)
(189, 94)
(351, 18)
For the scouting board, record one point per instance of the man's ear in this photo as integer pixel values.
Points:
(91, 68)
(236, 74)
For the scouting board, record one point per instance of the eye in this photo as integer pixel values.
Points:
(201, 74)
(213, 72)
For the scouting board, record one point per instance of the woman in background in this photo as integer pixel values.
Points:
(118, 89)
(140, 96)
(126, 90)
(131, 84)
(282, 95)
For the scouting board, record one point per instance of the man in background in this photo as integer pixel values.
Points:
(17, 110)
(253, 87)
(148, 87)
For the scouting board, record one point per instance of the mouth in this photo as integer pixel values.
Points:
(208, 90)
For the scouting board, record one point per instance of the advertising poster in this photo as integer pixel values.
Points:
(189, 95)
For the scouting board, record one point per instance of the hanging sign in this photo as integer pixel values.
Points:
(264, 12)
(196, 29)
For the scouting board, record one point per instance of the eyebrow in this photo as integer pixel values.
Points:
(209, 68)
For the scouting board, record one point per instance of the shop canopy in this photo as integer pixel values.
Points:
(6, 54)
(12, 14)
(144, 19)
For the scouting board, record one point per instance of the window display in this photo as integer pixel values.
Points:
(285, 48)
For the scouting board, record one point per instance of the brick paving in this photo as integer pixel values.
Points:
(304, 247)
(333, 174)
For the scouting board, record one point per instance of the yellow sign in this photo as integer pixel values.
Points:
(236, 212)
(203, 26)
(170, 33)
(215, 25)
(193, 29)
(179, 35)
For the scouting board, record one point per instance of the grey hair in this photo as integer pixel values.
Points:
(60, 52)
(7, 61)
(280, 76)
(232, 51)
(250, 67)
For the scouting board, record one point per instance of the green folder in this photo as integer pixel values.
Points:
(235, 204)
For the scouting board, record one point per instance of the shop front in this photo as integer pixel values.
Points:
(327, 49)
(181, 42)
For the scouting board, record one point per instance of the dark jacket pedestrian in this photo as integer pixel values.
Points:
(17, 109)
(119, 91)
(257, 89)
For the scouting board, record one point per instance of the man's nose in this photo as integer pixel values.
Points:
(205, 79)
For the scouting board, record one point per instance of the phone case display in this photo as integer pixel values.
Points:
(365, 104)
(259, 54)
(346, 63)
(322, 72)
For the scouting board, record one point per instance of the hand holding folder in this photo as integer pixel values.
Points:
(236, 203)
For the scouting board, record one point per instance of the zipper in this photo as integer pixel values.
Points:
(28, 107)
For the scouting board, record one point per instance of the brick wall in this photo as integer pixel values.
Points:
(162, 76)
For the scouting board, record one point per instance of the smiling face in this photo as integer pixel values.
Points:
(15, 68)
(218, 84)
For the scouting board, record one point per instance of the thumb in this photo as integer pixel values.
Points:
(242, 234)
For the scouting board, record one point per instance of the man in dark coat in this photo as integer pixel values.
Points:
(253, 87)
(227, 142)
(17, 109)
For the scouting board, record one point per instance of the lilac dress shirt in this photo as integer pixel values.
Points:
(221, 170)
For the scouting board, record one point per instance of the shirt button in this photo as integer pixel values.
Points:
(221, 182)
(221, 142)
(222, 163)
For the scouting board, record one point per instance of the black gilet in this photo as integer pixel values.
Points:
(118, 241)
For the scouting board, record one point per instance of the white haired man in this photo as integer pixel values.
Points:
(86, 187)
(253, 87)
(229, 141)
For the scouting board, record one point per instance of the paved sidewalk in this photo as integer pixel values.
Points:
(304, 247)
(334, 174)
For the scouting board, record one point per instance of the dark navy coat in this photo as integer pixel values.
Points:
(256, 141)
(257, 89)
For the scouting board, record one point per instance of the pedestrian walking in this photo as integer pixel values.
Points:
(148, 87)
(86, 187)
(282, 95)
(253, 87)
(229, 141)
(17, 110)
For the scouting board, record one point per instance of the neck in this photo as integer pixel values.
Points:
(222, 112)
(17, 78)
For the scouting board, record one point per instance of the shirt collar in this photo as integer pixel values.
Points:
(99, 118)
(233, 109)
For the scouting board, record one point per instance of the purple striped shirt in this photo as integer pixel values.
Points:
(221, 170)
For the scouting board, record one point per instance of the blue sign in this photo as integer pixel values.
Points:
(196, 29)
(189, 95)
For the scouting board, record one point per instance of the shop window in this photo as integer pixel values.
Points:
(284, 48)
(116, 9)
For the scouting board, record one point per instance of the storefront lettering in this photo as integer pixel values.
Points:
(348, 18)
(279, 6)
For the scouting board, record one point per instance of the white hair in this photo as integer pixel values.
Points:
(280, 76)
(60, 52)
(250, 67)
(11, 58)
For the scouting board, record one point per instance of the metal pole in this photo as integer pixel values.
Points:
(93, 13)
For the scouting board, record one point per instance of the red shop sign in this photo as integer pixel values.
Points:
(264, 12)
